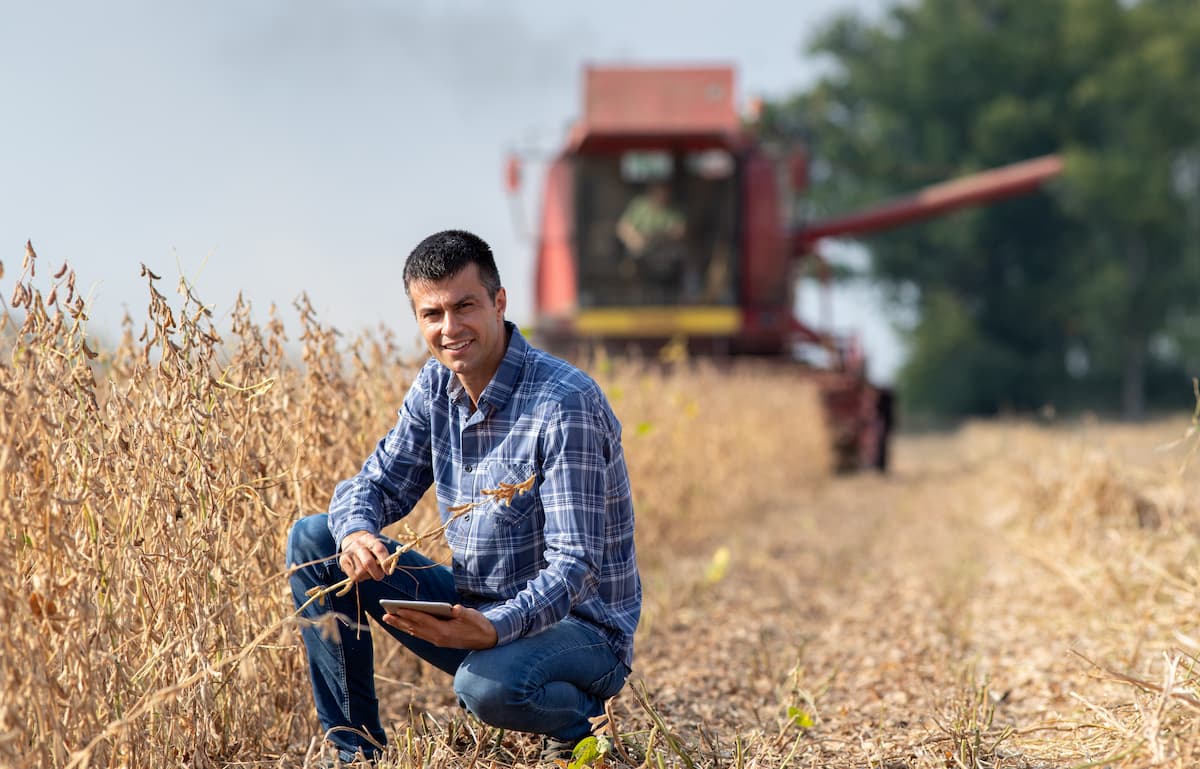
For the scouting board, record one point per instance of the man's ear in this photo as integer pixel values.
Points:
(501, 300)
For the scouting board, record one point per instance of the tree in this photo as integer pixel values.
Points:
(1056, 296)
(1134, 178)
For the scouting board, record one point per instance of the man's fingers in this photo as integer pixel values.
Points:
(364, 556)
(467, 629)
(365, 563)
(381, 554)
(399, 620)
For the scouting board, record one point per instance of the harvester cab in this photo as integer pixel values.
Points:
(660, 221)
(665, 223)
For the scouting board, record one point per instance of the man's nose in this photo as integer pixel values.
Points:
(450, 324)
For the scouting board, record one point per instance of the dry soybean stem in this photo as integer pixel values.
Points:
(504, 494)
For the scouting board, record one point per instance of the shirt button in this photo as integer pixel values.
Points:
(469, 468)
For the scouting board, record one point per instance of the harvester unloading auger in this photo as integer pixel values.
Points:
(664, 220)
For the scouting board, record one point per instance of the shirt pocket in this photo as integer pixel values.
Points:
(497, 547)
(511, 506)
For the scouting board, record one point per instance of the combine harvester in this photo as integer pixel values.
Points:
(719, 278)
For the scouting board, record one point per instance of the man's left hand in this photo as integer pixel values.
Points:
(467, 629)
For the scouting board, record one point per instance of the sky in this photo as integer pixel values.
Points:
(275, 147)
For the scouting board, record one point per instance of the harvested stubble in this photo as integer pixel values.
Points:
(146, 492)
(1109, 514)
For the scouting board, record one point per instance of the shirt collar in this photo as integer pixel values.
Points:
(504, 381)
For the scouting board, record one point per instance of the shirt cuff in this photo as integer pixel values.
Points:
(508, 622)
(343, 529)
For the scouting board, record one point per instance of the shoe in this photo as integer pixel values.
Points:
(557, 750)
(337, 760)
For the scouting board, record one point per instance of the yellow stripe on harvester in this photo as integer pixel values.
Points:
(658, 321)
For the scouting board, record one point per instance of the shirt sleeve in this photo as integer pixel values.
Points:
(577, 448)
(393, 478)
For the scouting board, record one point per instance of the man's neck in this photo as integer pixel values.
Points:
(472, 394)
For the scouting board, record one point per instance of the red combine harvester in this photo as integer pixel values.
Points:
(665, 224)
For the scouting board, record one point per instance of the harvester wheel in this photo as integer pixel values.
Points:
(885, 419)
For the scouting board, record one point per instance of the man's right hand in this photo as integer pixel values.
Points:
(362, 556)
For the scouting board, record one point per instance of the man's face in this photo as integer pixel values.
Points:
(462, 326)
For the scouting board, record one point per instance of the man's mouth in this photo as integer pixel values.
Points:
(456, 346)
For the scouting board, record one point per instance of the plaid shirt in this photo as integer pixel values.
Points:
(563, 550)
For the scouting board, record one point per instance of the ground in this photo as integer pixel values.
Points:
(875, 605)
(923, 618)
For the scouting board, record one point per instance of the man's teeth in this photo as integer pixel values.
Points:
(455, 346)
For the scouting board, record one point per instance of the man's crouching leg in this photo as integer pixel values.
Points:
(550, 684)
(338, 641)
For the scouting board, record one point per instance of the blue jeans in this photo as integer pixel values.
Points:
(550, 683)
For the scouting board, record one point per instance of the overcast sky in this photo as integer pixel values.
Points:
(281, 146)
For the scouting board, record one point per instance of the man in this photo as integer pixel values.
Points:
(652, 231)
(650, 219)
(546, 591)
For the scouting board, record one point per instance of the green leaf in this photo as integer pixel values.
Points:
(799, 717)
(589, 751)
(718, 567)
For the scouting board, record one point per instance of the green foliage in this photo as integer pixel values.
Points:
(799, 717)
(590, 751)
(1101, 269)
(718, 567)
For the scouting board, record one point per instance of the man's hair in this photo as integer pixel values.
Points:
(444, 254)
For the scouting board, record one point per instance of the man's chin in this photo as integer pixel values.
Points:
(457, 365)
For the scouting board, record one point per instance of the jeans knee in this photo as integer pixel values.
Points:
(310, 540)
(490, 700)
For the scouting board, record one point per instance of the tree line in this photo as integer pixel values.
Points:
(1083, 296)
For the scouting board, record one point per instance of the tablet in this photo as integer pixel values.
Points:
(436, 608)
